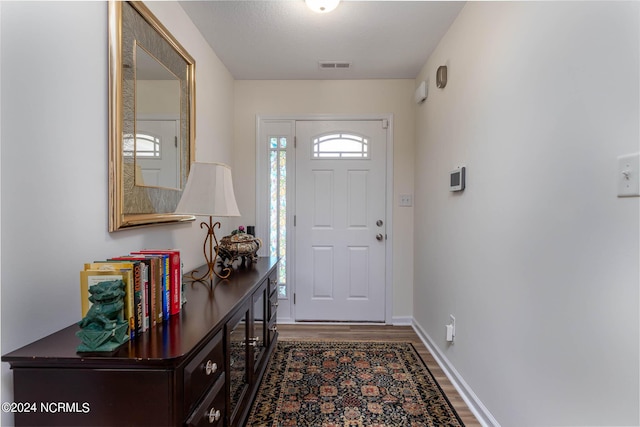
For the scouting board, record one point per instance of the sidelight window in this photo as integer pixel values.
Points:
(278, 207)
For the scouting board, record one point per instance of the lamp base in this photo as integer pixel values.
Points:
(211, 255)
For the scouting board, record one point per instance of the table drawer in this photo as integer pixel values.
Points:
(211, 411)
(203, 370)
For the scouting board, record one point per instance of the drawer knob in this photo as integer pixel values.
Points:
(210, 367)
(213, 415)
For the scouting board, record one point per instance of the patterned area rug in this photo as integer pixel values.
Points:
(338, 384)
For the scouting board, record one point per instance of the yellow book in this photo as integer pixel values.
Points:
(125, 270)
(89, 278)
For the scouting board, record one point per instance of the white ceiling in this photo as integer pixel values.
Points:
(283, 39)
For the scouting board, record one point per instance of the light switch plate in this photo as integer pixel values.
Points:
(629, 175)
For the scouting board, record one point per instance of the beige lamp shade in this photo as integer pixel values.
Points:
(209, 191)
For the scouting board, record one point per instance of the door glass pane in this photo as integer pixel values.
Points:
(273, 204)
(278, 207)
(282, 218)
(341, 146)
(144, 145)
(238, 378)
(259, 337)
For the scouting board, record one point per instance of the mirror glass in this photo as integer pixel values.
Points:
(259, 331)
(156, 149)
(152, 110)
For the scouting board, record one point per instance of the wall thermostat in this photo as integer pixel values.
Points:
(456, 179)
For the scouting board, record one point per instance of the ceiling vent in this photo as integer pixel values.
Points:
(334, 65)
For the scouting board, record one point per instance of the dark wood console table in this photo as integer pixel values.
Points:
(201, 367)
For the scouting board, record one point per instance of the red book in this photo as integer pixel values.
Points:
(175, 274)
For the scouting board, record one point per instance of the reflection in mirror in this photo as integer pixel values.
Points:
(259, 332)
(156, 147)
(151, 116)
(238, 375)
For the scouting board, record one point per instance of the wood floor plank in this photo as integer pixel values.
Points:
(339, 332)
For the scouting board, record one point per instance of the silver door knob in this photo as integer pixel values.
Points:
(379, 237)
(379, 223)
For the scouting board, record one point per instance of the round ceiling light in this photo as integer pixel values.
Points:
(322, 6)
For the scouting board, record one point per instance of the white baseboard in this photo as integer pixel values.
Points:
(473, 402)
(402, 321)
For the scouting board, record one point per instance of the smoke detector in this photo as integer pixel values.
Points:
(334, 65)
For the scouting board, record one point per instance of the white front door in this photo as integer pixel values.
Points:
(340, 220)
(159, 166)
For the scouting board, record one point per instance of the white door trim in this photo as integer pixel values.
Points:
(286, 312)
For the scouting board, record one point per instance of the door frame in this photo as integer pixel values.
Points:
(286, 308)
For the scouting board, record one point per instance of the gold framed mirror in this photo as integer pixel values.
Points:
(151, 118)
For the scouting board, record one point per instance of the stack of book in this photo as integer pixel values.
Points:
(153, 285)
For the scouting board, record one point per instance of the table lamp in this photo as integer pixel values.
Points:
(209, 192)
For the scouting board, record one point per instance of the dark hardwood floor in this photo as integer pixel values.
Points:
(380, 333)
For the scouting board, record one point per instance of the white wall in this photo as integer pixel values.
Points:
(158, 97)
(54, 159)
(537, 259)
(298, 97)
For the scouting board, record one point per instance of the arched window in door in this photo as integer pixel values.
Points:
(145, 145)
(341, 146)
